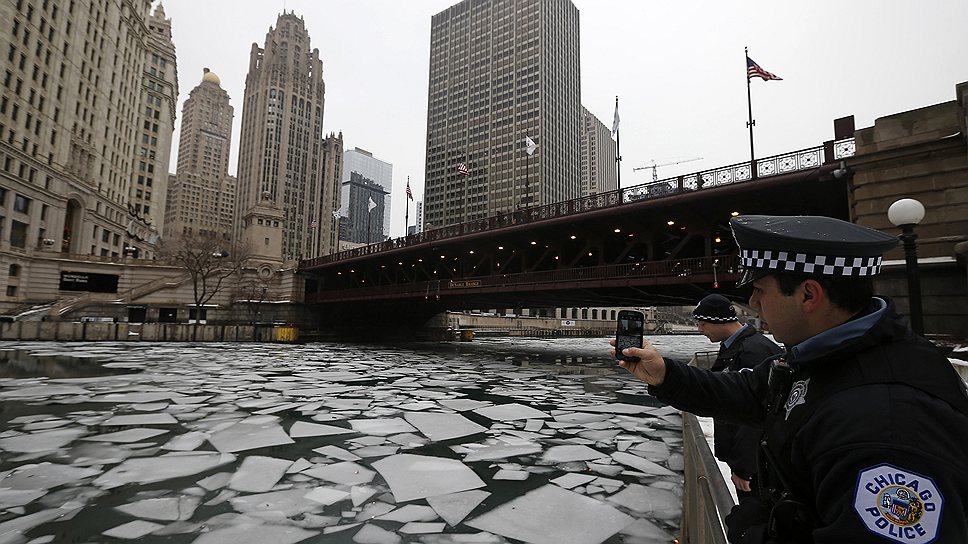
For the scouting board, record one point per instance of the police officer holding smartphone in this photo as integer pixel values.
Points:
(864, 422)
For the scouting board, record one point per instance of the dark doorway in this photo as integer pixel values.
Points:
(137, 314)
(168, 315)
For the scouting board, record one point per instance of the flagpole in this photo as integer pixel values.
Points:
(406, 216)
(749, 105)
(618, 150)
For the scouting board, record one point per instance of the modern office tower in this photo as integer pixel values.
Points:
(380, 173)
(86, 115)
(500, 72)
(365, 208)
(282, 147)
(201, 200)
(598, 172)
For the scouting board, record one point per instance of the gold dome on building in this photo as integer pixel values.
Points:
(210, 76)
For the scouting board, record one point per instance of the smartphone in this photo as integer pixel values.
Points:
(631, 326)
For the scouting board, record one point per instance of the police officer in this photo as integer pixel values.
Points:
(741, 346)
(864, 422)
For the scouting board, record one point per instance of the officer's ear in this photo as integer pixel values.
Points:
(812, 295)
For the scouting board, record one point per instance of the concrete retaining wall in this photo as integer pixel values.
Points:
(66, 331)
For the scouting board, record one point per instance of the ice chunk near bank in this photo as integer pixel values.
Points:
(552, 515)
(416, 476)
(570, 453)
(648, 500)
(439, 427)
(639, 463)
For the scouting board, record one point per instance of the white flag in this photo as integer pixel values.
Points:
(337, 212)
(615, 121)
(371, 205)
(531, 145)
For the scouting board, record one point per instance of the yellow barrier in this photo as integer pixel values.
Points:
(285, 334)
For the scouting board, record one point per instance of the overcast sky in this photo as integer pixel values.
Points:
(677, 67)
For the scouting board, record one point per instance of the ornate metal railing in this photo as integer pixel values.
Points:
(804, 159)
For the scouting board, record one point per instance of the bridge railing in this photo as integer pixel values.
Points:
(785, 163)
(723, 265)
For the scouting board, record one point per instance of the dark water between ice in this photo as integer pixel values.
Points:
(56, 397)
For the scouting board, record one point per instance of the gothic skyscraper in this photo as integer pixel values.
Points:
(284, 162)
(500, 72)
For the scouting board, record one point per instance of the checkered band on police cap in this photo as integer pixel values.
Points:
(715, 309)
(809, 245)
(826, 265)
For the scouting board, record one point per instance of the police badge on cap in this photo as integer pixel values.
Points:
(808, 245)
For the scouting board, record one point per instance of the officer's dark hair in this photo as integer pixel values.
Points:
(848, 293)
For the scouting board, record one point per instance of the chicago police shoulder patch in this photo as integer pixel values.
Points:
(898, 504)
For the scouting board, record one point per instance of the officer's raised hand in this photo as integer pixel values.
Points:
(650, 368)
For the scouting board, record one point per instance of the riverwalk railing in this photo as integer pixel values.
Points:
(705, 497)
(804, 159)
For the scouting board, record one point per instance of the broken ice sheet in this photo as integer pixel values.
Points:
(510, 412)
(124, 437)
(648, 500)
(12, 498)
(186, 442)
(346, 473)
(438, 427)
(288, 502)
(251, 433)
(644, 465)
(454, 507)
(327, 495)
(571, 480)
(45, 476)
(372, 534)
(463, 405)
(337, 453)
(259, 474)
(155, 469)
(416, 476)
(501, 450)
(301, 429)
(141, 419)
(569, 453)
(517, 475)
(255, 534)
(408, 513)
(381, 427)
(164, 509)
(133, 529)
(416, 528)
(552, 515)
(42, 441)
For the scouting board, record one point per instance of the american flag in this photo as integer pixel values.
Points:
(409, 192)
(463, 170)
(754, 70)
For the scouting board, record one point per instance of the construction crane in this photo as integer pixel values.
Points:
(655, 176)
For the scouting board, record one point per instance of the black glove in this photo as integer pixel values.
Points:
(746, 522)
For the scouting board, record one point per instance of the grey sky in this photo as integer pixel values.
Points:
(677, 67)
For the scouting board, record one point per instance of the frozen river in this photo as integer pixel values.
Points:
(490, 441)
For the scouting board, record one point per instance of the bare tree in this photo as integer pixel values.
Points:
(209, 260)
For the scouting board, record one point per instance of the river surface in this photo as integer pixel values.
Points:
(495, 440)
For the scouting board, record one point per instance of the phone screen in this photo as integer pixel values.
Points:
(628, 334)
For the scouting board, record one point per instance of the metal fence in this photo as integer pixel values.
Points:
(705, 497)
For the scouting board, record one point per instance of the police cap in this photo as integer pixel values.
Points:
(715, 309)
(807, 244)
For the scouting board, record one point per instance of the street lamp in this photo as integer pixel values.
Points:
(906, 214)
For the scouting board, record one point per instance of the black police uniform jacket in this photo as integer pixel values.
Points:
(736, 444)
(868, 436)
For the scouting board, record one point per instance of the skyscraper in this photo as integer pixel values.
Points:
(598, 150)
(282, 148)
(202, 198)
(363, 227)
(500, 72)
(86, 116)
